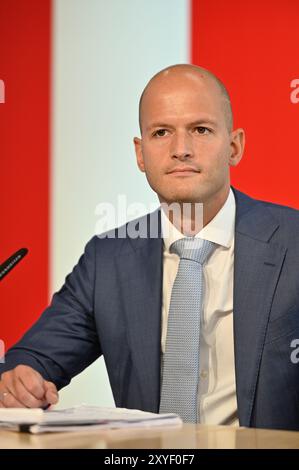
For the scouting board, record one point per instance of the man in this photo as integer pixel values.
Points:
(125, 298)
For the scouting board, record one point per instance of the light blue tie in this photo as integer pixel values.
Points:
(180, 378)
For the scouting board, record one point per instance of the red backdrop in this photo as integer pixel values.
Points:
(253, 47)
(24, 154)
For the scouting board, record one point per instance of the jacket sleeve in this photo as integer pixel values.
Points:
(64, 340)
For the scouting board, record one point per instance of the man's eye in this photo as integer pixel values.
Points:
(202, 130)
(160, 133)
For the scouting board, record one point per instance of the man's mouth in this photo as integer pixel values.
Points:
(183, 171)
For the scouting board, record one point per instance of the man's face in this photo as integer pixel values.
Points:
(186, 147)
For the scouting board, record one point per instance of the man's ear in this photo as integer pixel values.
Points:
(138, 152)
(237, 146)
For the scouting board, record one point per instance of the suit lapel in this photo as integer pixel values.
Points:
(258, 262)
(142, 278)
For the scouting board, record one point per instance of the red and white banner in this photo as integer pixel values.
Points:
(71, 73)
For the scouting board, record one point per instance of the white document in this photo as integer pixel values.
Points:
(81, 418)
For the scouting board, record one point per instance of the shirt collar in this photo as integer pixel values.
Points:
(219, 230)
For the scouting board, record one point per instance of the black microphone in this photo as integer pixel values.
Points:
(12, 261)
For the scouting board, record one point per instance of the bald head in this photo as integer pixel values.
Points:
(194, 72)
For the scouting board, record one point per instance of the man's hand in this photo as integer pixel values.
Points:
(23, 387)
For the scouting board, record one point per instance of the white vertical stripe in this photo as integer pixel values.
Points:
(103, 54)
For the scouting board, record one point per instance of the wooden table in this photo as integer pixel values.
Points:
(188, 436)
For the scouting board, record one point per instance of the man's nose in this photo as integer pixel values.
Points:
(181, 146)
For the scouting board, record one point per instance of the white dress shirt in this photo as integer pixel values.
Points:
(217, 391)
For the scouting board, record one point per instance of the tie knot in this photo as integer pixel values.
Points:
(194, 249)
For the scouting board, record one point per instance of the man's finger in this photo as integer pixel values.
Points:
(51, 393)
(3, 392)
(32, 381)
(26, 398)
(9, 401)
(12, 398)
(8, 388)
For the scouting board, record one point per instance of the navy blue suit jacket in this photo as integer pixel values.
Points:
(111, 304)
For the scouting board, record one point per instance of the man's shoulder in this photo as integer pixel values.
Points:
(264, 218)
(279, 210)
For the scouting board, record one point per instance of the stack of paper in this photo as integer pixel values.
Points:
(81, 418)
